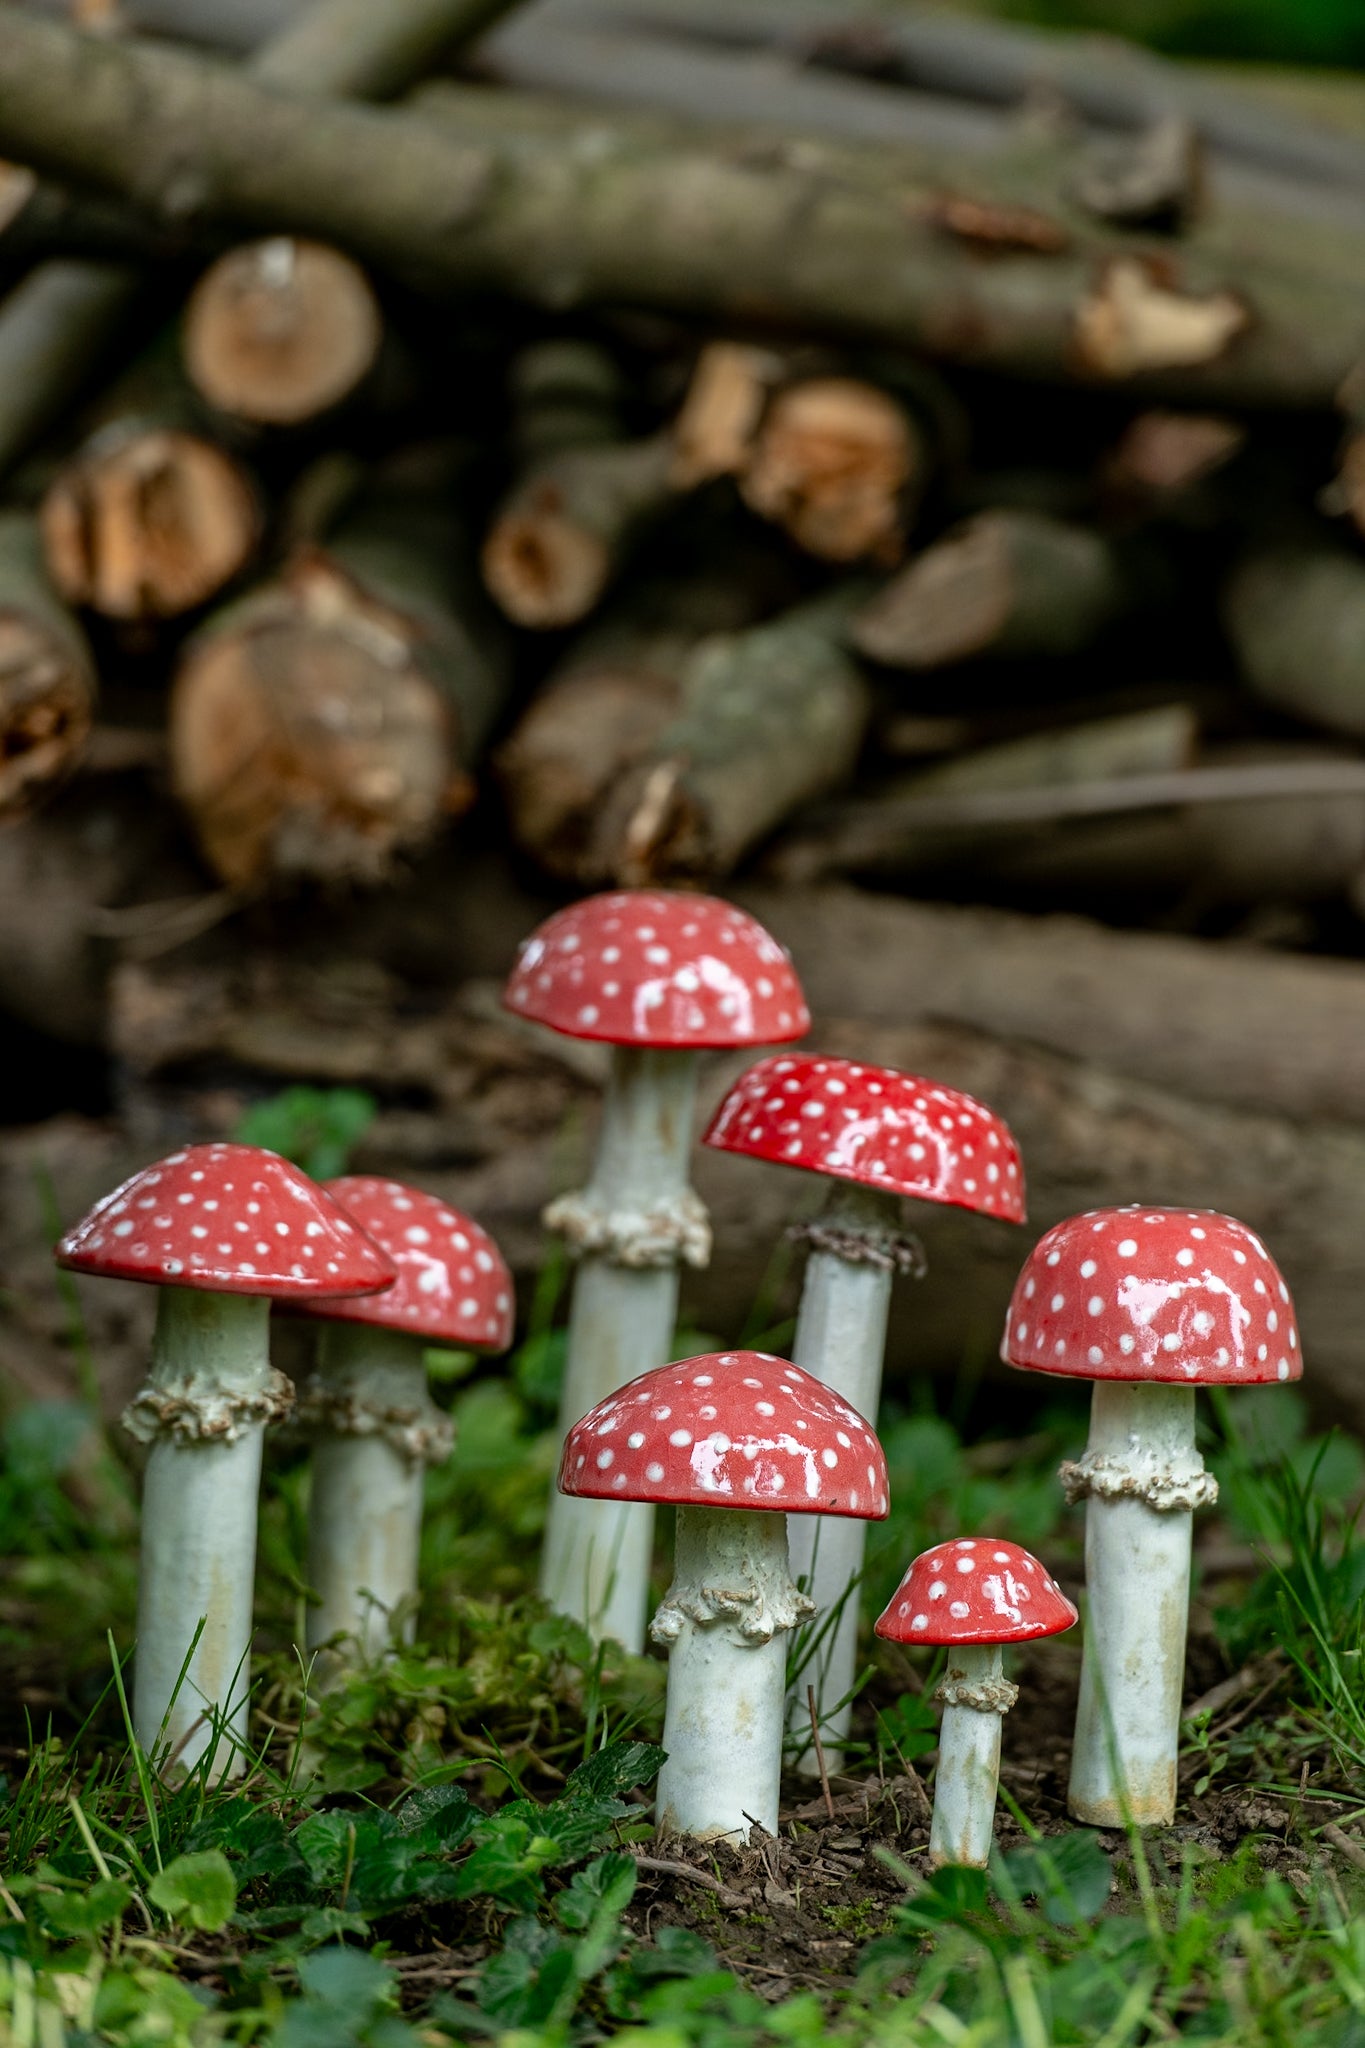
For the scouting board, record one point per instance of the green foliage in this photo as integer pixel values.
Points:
(318, 1128)
(1287, 31)
(197, 1890)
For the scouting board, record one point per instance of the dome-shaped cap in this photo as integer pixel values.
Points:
(978, 1589)
(875, 1125)
(230, 1219)
(736, 1429)
(453, 1286)
(649, 967)
(1184, 1295)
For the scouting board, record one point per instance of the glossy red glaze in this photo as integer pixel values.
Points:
(975, 1590)
(731, 1429)
(229, 1219)
(1184, 1295)
(453, 1286)
(874, 1125)
(648, 967)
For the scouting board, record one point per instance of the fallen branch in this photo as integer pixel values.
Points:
(47, 675)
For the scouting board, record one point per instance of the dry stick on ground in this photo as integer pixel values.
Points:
(277, 332)
(670, 758)
(1296, 618)
(517, 204)
(325, 724)
(1006, 583)
(70, 315)
(150, 517)
(585, 491)
(47, 675)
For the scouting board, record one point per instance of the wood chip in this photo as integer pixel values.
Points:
(1133, 321)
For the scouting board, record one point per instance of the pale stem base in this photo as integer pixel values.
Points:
(198, 1556)
(1137, 1574)
(365, 1507)
(840, 1338)
(596, 1560)
(968, 1765)
(725, 1621)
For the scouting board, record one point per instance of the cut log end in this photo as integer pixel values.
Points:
(279, 331)
(832, 465)
(541, 567)
(148, 523)
(952, 603)
(46, 706)
(310, 743)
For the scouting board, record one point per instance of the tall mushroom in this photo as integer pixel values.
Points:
(973, 1597)
(222, 1230)
(659, 977)
(1149, 1304)
(875, 1135)
(375, 1425)
(718, 1437)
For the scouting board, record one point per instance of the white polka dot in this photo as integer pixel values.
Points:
(1127, 1247)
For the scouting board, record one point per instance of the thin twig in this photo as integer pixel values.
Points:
(819, 1751)
(1339, 1839)
(667, 1867)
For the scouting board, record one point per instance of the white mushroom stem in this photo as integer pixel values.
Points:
(203, 1410)
(1143, 1476)
(632, 1225)
(376, 1430)
(976, 1696)
(723, 1621)
(840, 1338)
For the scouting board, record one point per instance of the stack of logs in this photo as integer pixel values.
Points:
(696, 442)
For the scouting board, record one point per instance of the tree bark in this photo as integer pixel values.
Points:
(1272, 318)
(1296, 619)
(278, 332)
(47, 676)
(325, 725)
(668, 760)
(1005, 584)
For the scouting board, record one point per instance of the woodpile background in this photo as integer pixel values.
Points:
(903, 472)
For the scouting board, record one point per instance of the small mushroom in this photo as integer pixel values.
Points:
(972, 1596)
(659, 977)
(1149, 1304)
(222, 1230)
(719, 1437)
(375, 1424)
(875, 1135)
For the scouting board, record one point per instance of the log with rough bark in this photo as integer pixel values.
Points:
(1251, 311)
(1296, 619)
(47, 675)
(71, 315)
(585, 494)
(1007, 583)
(280, 331)
(325, 724)
(663, 757)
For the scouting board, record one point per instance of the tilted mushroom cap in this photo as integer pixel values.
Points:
(453, 1285)
(978, 1589)
(874, 1125)
(1184, 1295)
(731, 1429)
(649, 967)
(230, 1219)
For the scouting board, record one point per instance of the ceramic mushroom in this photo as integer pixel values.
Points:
(731, 1439)
(375, 1426)
(1149, 1304)
(972, 1597)
(874, 1135)
(222, 1230)
(659, 977)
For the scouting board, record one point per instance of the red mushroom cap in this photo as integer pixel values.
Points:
(872, 1124)
(453, 1285)
(1184, 1295)
(229, 1219)
(650, 967)
(978, 1589)
(735, 1429)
